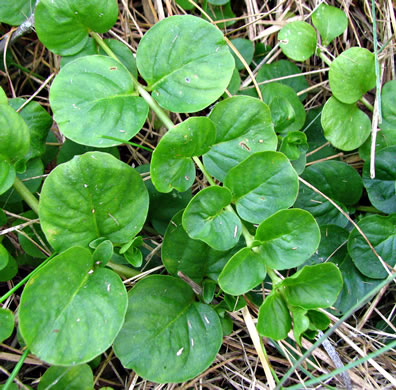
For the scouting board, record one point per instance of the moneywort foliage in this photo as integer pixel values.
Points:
(255, 224)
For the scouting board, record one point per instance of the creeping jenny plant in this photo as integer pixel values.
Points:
(253, 221)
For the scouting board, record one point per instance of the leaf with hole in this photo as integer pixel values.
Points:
(243, 127)
(352, 74)
(181, 79)
(297, 40)
(63, 25)
(171, 164)
(287, 238)
(257, 182)
(330, 22)
(345, 126)
(93, 97)
(61, 317)
(381, 232)
(167, 340)
(92, 196)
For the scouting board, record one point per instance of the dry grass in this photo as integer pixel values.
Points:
(238, 365)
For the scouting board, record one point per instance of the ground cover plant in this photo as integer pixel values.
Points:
(179, 191)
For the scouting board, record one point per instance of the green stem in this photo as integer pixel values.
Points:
(128, 143)
(161, 114)
(204, 171)
(26, 195)
(377, 68)
(367, 104)
(16, 370)
(123, 270)
(274, 278)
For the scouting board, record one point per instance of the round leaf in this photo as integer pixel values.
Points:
(194, 258)
(243, 127)
(274, 320)
(15, 12)
(244, 271)
(92, 196)
(63, 25)
(14, 135)
(91, 97)
(185, 62)
(246, 50)
(257, 182)
(69, 313)
(381, 190)
(345, 126)
(6, 324)
(171, 164)
(7, 176)
(167, 336)
(205, 219)
(67, 378)
(313, 287)
(287, 238)
(329, 21)
(297, 40)
(352, 74)
(381, 232)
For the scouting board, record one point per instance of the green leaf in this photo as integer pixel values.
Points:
(14, 135)
(185, 80)
(294, 144)
(381, 190)
(300, 323)
(92, 97)
(6, 324)
(297, 40)
(220, 13)
(352, 74)
(67, 378)
(257, 182)
(167, 336)
(330, 22)
(70, 313)
(103, 253)
(274, 320)
(192, 257)
(313, 286)
(92, 196)
(318, 320)
(134, 257)
(3, 96)
(206, 218)
(388, 96)
(7, 176)
(63, 25)
(38, 122)
(9, 271)
(243, 127)
(381, 232)
(235, 83)
(283, 68)
(15, 12)
(287, 238)
(3, 257)
(273, 94)
(385, 137)
(171, 164)
(345, 126)
(208, 290)
(245, 48)
(218, 2)
(244, 271)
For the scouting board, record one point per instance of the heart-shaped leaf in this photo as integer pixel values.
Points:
(61, 315)
(274, 320)
(6, 324)
(244, 271)
(184, 79)
(205, 218)
(287, 238)
(329, 21)
(15, 12)
(345, 125)
(352, 74)
(297, 40)
(92, 196)
(167, 336)
(67, 378)
(63, 25)
(381, 190)
(243, 127)
(313, 286)
(381, 232)
(192, 257)
(93, 97)
(171, 164)
(257, 182)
